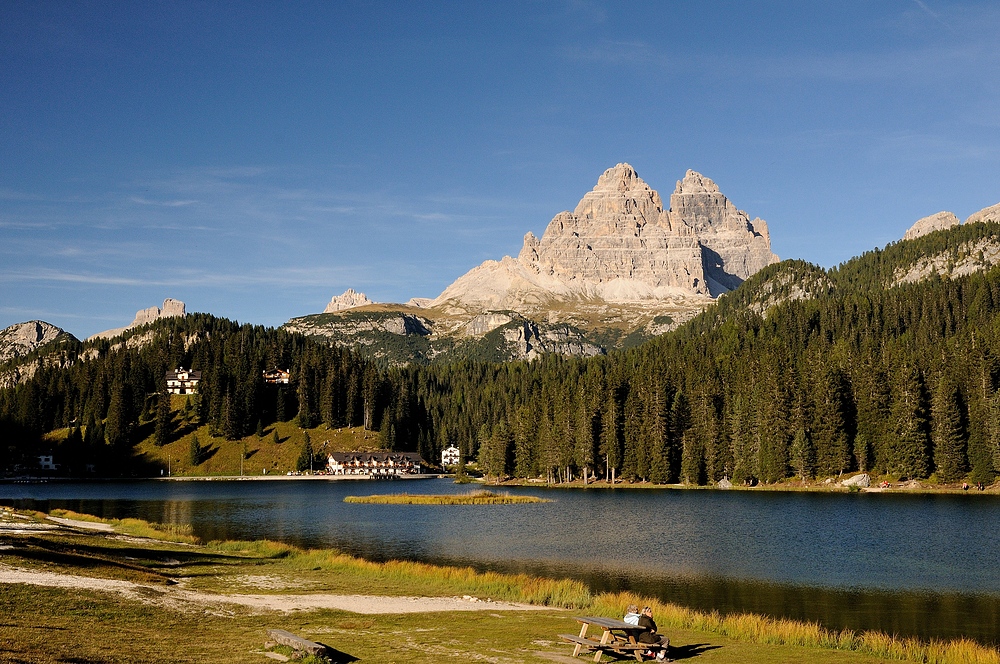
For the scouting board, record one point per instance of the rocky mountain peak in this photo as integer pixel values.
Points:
(696, 183)
(348, 300)
(23, 338)
(170, 309)
(991, 213)
(931, 223)
(622, 177)
(620, 245)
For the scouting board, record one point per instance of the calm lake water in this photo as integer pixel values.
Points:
(923, 565)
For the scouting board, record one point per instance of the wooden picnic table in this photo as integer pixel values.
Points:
(618, 637)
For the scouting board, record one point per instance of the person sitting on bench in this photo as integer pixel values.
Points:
(649, 634)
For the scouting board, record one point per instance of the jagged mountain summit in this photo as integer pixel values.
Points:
(945, 220)
(620, 266)
(621, 246)
(22, 338)
(170, 308)
(349, 300)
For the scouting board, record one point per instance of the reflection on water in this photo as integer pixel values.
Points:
(911, 565)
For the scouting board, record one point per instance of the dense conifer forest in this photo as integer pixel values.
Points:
(800, 372)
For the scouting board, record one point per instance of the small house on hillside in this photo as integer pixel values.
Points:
(375, 464)
(276, 376)
(183, 381)
(450, 456)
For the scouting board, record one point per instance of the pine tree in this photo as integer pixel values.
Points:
(305, 460)
(195, 451)
(829, 426)
(803, 455)
(910, 457)
(163, 428)
(948, 432)
(495, 451)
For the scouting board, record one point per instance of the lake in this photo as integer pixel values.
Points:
(921, 565)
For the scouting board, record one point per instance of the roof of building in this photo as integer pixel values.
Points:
(192, 375)
(341, 457)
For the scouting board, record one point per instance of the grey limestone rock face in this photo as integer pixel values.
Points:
(170, 309)
(618, 231)
(348, 300)
(620, 260)
(931, 223)
(733, 246)
(991, 213)
(22, 338)
(621, 245)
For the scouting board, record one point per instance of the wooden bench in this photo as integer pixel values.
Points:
(296, 643)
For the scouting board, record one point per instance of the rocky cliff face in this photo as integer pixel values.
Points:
(945, 220)
(991, 213)
(733, 246)
(349, 300)
(22, 338)
(929, 224)
(621, 245)
(170, 308)
(619, 263)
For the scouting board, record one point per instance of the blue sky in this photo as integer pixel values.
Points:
(255, 159)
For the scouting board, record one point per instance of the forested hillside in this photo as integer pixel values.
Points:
(800, 372)
(110, 392)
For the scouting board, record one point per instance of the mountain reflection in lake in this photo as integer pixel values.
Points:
(923, 565)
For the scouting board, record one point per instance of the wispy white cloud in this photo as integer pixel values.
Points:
(277, 277)
(175, 203)
(927, 10)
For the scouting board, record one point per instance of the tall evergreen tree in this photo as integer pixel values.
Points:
(910, 452)
(948, 432)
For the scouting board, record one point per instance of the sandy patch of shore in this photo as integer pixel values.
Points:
(184, 599)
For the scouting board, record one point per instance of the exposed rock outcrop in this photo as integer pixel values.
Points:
(397, 323)
(22, 338)
(170, 309)
(349, 300)
(934, 222)
(733, 246)
(862, 480)
(621, 245)
(991, 213)
(966, 259)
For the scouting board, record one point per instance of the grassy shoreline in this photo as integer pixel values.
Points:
(313, 570)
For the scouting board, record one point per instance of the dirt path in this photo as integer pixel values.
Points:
(186, 599)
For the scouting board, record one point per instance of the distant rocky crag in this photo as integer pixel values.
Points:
(620, 245)
(945, 220)
(620, 264)
(170, 308)
(349, 300)
(23, 338)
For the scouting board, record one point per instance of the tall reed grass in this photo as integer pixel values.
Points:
(432, 579)
(168, 532)
(778, 631)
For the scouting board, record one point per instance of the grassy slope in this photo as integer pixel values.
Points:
(221, 457)
(47, 624)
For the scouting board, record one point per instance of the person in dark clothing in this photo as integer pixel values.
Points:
(649, 634)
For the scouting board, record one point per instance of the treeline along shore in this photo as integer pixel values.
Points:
(801, 372)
